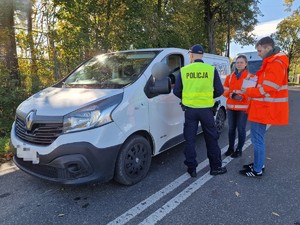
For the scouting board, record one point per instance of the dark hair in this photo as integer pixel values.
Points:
(242, 57)
(265, 41)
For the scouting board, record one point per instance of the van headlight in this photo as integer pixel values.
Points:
(92, 116)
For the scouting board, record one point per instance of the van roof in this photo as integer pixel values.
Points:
(172, 50)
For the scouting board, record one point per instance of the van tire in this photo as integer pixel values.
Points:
(220, 120)
(134, 161)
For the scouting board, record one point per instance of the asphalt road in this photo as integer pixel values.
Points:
(168, 195)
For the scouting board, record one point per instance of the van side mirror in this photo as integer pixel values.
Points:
(162, 86)
(160, 70)
(159, 82)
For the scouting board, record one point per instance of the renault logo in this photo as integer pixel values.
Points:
(29, 120)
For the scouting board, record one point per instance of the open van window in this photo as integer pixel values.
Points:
(110, 71)
(174, 62)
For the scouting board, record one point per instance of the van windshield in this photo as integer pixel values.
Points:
(110, 71)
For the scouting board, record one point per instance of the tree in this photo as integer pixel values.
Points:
(8, 47)
(242, 16)
(288, 36)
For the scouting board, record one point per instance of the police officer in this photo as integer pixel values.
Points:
(197, 85)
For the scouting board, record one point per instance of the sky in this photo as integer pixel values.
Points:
(274, 12)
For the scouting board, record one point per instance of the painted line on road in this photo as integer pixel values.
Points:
(8, 170)
(140, 207)
(183, 195)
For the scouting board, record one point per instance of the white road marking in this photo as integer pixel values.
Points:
(183, 195)
(7, 170)
(140, 207)
(188, 191)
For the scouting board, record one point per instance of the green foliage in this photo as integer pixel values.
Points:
(4, 146)
(288, 37)
(11, 96)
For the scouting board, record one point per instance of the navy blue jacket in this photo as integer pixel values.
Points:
(218, 87)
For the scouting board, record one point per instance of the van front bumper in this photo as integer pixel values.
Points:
(74, 163)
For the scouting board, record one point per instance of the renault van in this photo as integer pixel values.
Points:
(107, 118)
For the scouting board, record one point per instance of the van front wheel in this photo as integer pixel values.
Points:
(134, 161)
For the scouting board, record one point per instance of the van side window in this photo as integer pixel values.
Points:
(174, 62)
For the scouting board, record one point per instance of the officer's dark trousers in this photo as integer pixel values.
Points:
(192, 118)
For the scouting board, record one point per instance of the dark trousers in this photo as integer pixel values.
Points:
(237, 120)
(205, 117)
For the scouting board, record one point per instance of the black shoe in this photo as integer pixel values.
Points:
(250, 173)
(229, 152)
(237, 153)
(218, 171)
(192, 172)
(250, 166)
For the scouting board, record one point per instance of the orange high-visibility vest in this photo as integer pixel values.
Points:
(234, 85)
(269, 99)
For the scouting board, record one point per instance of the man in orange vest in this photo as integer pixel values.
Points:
(269, 101)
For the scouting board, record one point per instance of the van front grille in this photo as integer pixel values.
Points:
(40, 133)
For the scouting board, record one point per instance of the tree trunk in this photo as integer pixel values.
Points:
(209, 26)
(158, 23)
(107, 25)
(8, 43)
(34, 69)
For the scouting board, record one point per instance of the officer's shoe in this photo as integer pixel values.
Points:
(218, 171)
(229, 152)
(192, 172)
(237, 153)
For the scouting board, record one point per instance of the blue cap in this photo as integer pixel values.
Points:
(196, 49)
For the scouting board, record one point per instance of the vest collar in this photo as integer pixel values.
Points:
(199, 60)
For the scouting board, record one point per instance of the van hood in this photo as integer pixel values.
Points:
(61, 101)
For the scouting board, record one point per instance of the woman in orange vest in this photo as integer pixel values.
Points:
(237, 105)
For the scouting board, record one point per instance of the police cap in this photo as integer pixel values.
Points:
(196, 49)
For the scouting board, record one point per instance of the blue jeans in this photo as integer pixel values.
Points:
(258, 131)
(237, 120)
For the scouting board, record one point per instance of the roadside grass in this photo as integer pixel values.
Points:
(6, 153)
(292, 84)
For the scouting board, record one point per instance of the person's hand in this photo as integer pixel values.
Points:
(183, 107)
(237, 97)
(243, 90)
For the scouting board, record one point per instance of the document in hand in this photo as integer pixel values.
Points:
(247, 83)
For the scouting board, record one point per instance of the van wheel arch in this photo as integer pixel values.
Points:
(134, 160)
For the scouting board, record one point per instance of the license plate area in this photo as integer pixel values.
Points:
(27, 154)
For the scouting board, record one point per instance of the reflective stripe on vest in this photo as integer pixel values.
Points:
(271, 99)
(197, 80)
(229, 106)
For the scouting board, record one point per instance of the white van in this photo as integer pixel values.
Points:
(254, 61)
(106, 119)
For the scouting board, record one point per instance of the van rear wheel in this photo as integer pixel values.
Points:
(134, 161)
(220, 120)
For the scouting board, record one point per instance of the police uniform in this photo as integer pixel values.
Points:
(197, 85)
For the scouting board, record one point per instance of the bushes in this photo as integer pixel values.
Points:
(11, 96)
